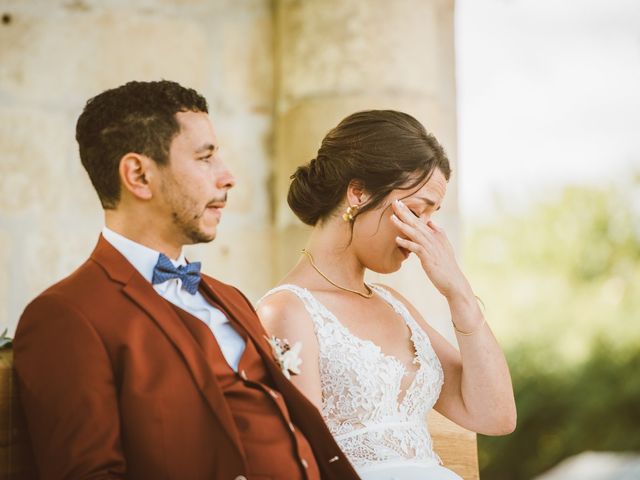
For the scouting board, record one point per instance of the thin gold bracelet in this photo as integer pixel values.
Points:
(466, 334)
(481, 303)
(484, 320)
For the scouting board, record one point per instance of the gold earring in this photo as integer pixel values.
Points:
(351, 211)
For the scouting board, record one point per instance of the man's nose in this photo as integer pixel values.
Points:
(225, 179)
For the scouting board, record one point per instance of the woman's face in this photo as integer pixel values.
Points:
(374, 234)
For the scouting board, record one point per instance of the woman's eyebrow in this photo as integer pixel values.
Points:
(428, 201)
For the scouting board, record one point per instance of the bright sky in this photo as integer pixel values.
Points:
(548, 94)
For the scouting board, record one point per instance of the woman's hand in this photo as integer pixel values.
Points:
(477, 391)
(431, 245)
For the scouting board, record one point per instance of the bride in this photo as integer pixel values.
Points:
(370, 362)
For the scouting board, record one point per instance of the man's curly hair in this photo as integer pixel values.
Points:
(138, 117)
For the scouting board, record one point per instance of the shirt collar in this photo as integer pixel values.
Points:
(143, 258)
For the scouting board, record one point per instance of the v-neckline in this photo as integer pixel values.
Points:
(378, 349)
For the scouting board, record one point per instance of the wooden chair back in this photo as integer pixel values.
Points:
(457, 447)
(16, 458)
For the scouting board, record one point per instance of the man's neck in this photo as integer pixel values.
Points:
(142, 232)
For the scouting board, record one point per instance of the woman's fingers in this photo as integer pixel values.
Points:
(427, 234)
(403, 226)
(404, 214)
(416, 234)
(433, 226)
(409, 245)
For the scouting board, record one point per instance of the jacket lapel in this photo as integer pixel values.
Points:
(238, 315)
(143, 294)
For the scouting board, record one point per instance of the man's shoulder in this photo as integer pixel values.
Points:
(85, 288)
(86, 277)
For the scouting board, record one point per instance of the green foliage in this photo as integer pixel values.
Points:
(562, 287)
(591, 406)
(564, 272)
(5, 341)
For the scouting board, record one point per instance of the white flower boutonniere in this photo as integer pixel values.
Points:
(287, 356)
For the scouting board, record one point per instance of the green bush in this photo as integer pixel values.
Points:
(594, 405)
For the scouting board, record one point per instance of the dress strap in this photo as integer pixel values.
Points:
(317, 311)
(399, 307)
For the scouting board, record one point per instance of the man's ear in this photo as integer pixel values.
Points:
(356, 193)
(136, 171)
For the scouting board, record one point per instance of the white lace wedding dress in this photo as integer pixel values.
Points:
(382, 431)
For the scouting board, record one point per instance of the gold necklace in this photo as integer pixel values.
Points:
(369, 293)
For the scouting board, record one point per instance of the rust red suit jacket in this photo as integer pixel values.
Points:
(114, 386)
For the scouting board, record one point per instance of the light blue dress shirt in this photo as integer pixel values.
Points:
(144, 260)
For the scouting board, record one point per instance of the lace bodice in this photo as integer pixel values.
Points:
(363, 404)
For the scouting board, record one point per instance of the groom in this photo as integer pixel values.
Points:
(137, 366)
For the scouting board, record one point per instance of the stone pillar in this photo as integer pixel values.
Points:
(336, 57)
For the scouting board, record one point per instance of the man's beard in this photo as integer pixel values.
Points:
(190, 229)
(182, 216)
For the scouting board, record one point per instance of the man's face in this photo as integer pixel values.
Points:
(195, 181)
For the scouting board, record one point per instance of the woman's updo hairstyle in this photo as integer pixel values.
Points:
(384, 149)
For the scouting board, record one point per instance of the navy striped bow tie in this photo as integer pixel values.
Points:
(189, 273)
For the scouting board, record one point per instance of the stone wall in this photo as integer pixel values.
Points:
(278, 74)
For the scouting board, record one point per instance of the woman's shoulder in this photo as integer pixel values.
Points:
(282, 308)
(280, 300)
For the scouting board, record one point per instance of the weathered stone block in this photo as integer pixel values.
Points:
(246, 68)
(244, 146)
(5, 295)
(60, 248)
(338, 48)
(87, 52)
(34, 146)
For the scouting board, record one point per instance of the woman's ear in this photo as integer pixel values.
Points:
(356, 193)
(136, 172)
